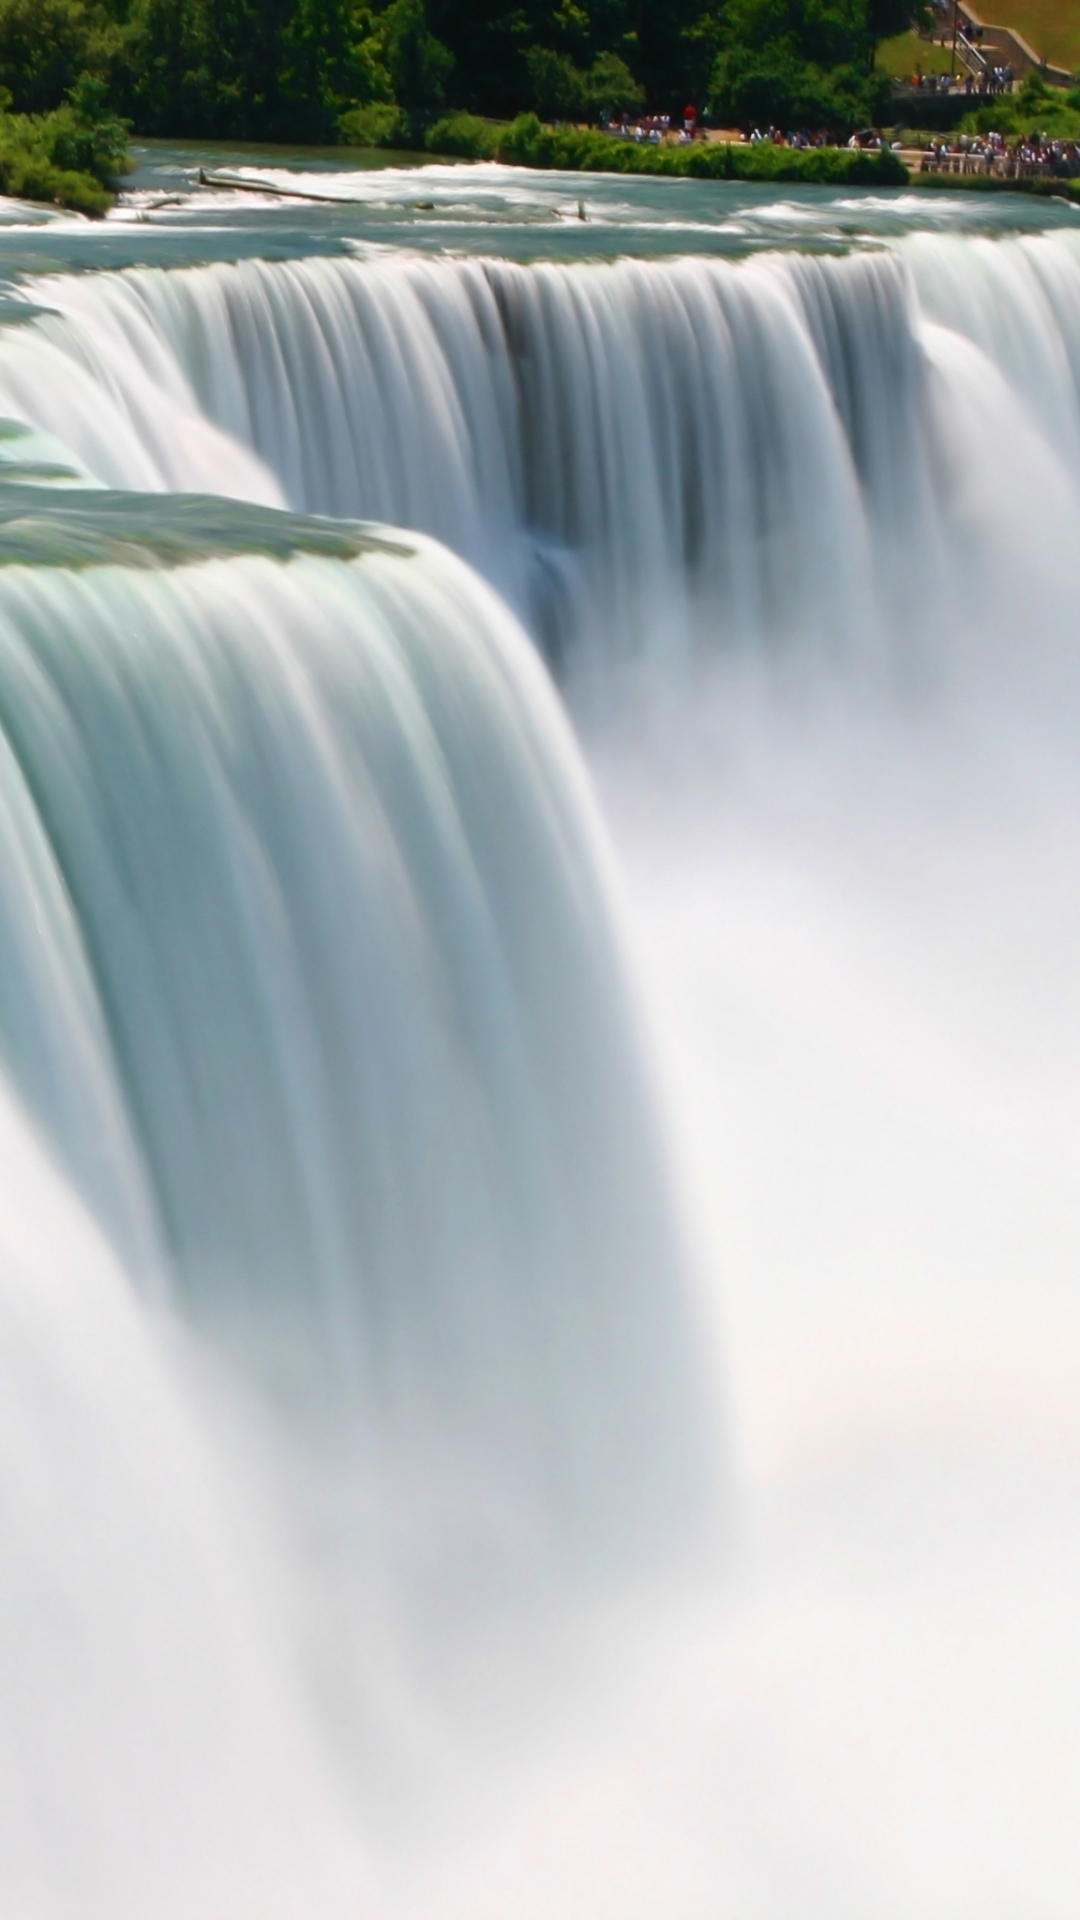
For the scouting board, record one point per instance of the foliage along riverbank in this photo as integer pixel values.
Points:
(1033, 106)
(526, 142)
(73, 157)
(1043, 189)
(298, 70)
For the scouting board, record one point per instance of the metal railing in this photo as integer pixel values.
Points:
(972, 57)
(985, 88)
(991, 165)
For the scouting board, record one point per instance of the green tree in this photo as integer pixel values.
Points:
(489, 40)
(252, 69)
(419, 65)
(610, 87)
(800, 63)
(673, 51)
(206, 67)
(85, 136)
(885, 18)
(334, 58)
(511, 57)
(562, 91)
(559, 88)
(46, 44)
(307, 69)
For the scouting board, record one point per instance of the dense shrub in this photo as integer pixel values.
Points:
(526, 142)
(377, 125)
(84, 136)
(28, 175)
(1033, 108)
(73, 157)
(465, 136)
(1040, 189)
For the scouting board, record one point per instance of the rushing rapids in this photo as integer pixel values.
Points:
(348, 1335)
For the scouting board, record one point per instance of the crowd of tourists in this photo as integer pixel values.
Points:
(955, 30)
(1031, 152)
(802, 137)
(654, 127)
(650, 127)
(994, 80)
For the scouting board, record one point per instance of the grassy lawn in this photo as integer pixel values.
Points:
(1052, 27)
(902, 55)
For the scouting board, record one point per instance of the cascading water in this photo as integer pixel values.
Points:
(625, 451)
(311, 997)
(644, 457)
(361, 1000)
(350, 1346)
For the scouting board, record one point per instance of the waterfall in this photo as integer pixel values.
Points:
(156, 1754)
(631, 449)
(649, 460)
(309, 963)
(315, 1040)
(347, 1308)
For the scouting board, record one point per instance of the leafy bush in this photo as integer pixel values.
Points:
(525, 142)
(73, 157)
(377, 125)
(28, 175)
(1034, 107)
(84, 136)
(465, 136)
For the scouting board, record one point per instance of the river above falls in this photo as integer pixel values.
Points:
(166, 217)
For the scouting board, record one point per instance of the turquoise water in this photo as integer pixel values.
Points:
(372, 200)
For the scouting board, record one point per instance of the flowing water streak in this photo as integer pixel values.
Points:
(331, 877)
(157, 1756)
(646, 458)
(630, 453)
(312, 995)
